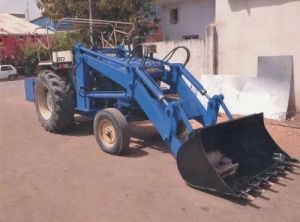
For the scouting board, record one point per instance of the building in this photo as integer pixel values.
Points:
(22, 16)
(44, 21)
(186, 19)
(15, 32)
(12, 25)
(243, 30)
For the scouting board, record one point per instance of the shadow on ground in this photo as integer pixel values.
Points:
(82, 126)
(7, 80)
(142, 135)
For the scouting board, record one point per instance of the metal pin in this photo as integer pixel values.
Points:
(273, 177)
(294, 160)
(257, 189)
(247, 196)
(272, 174)
(292, 164)
(245, 189)
(281, 167)
(281, 171)
(276, 178)
(266, 182)
(290, 168)
(255, 182)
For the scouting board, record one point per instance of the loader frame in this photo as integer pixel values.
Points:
(138, 85)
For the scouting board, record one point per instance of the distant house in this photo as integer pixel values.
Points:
(182, 19)
(22, 16)
(14, 32)
(12, 25)
(44, 22)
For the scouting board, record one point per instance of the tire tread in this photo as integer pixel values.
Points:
(63, 99)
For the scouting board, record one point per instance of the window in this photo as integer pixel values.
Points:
(174, 16)
(186, 37)
(5, 68)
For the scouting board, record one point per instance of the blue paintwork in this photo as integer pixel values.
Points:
(139, 91)
(29, 88)
(139, 85)
(44, 22)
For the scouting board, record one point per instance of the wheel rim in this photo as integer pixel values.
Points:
(49, 102)
(107, 133)
(45, 103)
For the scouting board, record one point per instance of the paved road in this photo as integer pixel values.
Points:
(47, 177)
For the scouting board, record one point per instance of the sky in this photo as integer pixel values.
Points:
(19, 6)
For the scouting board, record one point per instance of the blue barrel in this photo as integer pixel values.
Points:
(29, 88)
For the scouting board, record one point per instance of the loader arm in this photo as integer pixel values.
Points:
(164, 113)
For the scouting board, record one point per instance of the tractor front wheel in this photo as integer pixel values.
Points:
(111, 131)
(54, 101)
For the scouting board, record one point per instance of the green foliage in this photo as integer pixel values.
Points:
(67, 40)
(139, 12)
(29, 50)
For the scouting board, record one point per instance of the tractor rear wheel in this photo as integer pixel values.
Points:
(54, 100)
(111, 131)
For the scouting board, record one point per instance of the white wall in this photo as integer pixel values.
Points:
(196, 64)
(194, 17)
(250, 28)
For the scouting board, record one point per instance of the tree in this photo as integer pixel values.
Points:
(139, 12)
(9, 50)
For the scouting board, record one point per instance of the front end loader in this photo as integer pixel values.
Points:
(236, 158)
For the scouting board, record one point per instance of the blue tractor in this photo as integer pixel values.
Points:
(115, 86)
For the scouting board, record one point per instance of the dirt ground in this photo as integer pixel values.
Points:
(47, 177)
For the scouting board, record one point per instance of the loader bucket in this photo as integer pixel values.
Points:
(236, 158)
